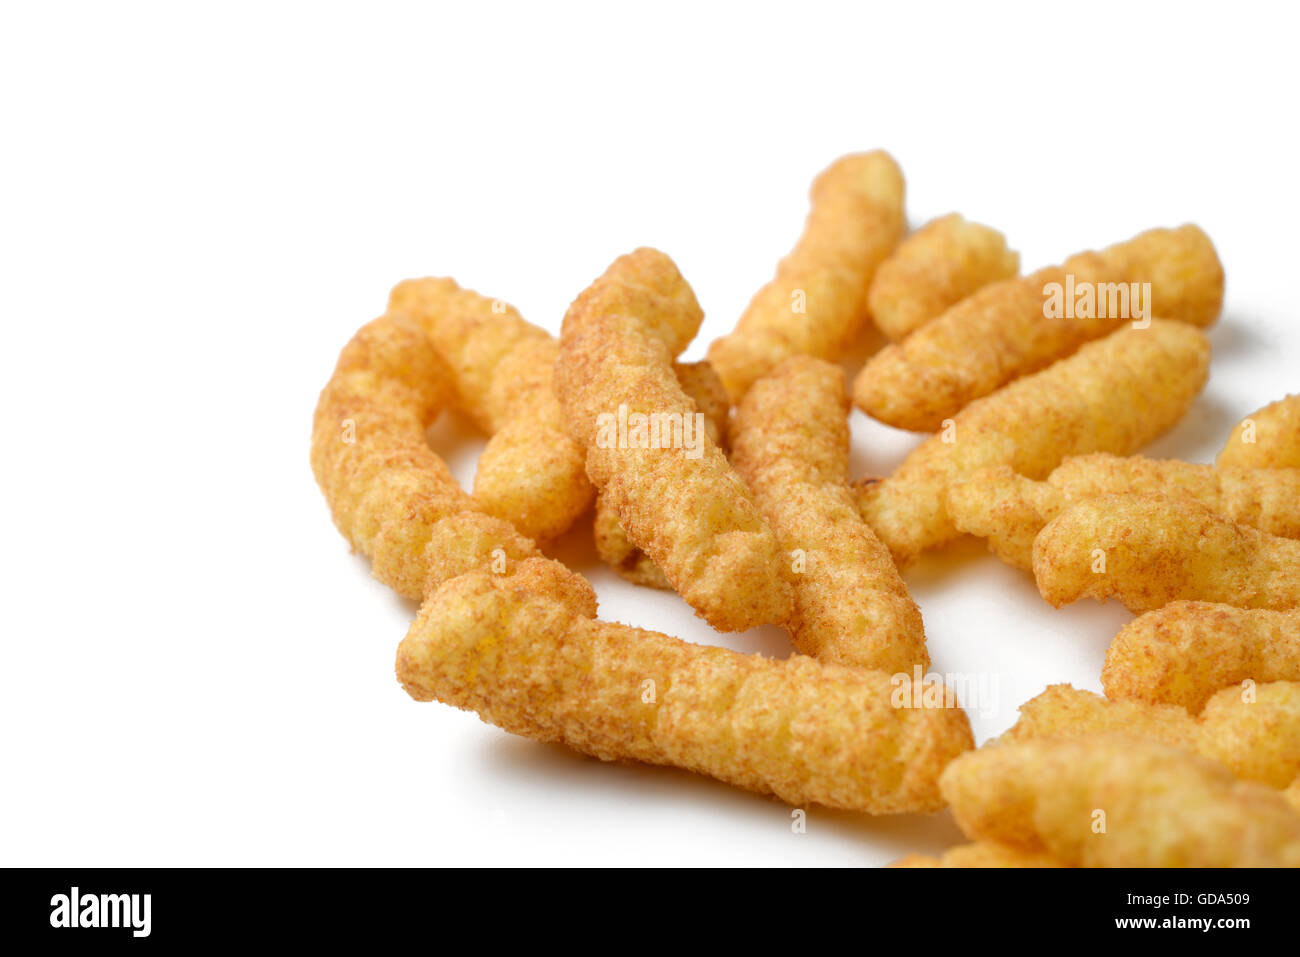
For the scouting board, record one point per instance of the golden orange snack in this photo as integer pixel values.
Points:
(648, 449)
(1252, 730)
(531, 473)
(390, 495)
(980, 854)
(1119, 801)
(1150, 550)
(1009, 510)
(1065, 711)
(935, 268)
(701, 383)
(1184, 652)
(1292, 794)
(1004, 331)
(1113, 395)
(1267, 439)
(538, 665)
(817, 303)
(791, 440)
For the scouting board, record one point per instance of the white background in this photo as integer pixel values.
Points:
(200, 204)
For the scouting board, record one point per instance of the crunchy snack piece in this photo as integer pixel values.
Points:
(1003, 331)
(1065, 711)
(1267, 439)
(1253, 731)
(1149, 550)
(701, 383)
(1119, 801)
(1292, 794)
(980, 854)
(807, 732)
(531, 473)
(817, 303)
(672, 488)
(1113, 395)
(390, 495)
(1183, 653)
(935, 268)
(1010, 510)
(792, 449)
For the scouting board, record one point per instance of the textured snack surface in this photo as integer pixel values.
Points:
(1269, 438)
(1113, 395)
(1186, 651)
(390, 495)
(504, 647)
(1010, 510)
(1254, 730)
(1149, 550)
(1119, 801)
(531, 474)
(680, 502)
(701, 383)
(792, 449)
(935, 268)
(1003, 331)
(817, 302)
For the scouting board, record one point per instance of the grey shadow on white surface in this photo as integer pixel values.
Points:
(1235, 337)
(535, 765)
(1200, 434)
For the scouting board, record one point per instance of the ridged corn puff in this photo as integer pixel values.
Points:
(935, 268)
(817, 303)
(678, 500)
(807, 732)
(1183, 653)
(701, 383)
(1010, 510)
(1113, 395)
(1004, 331)
(1267, 439)
(1149, 550)
(390, 495)
(531, 473)
(791, 446)
(1254, 732)
(1117, 801)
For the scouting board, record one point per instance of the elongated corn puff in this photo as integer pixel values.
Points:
(817, 303)
(1113, 395)
(935, 268)
(531, 473)
(799, 729)
(1149, 550)
(1004, 331)
(1010, 510)
(1186, 651)
(390, 494)
(1253, 731)
(678, 500)
(701, 383)
(1119, 801)
(792, 449)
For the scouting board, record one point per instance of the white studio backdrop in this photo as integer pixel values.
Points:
(200, 204)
